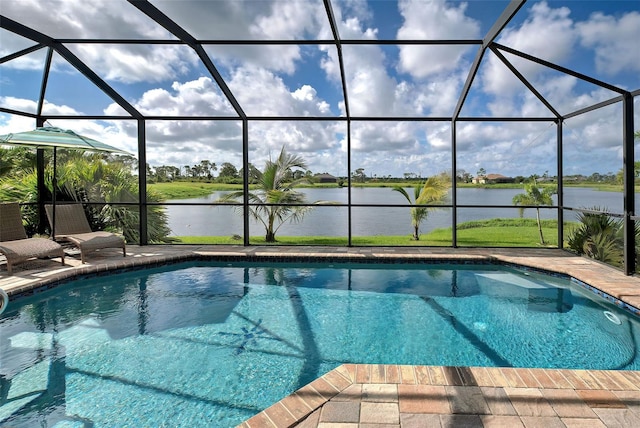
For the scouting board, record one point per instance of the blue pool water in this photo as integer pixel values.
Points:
(205, 344)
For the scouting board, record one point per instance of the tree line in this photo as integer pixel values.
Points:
(205, 171)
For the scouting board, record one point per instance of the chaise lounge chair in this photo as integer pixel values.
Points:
(71, 225)
(15, 245)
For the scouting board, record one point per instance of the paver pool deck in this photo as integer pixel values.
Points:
(368, 396)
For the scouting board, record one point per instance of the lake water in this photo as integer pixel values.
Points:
(212, 220)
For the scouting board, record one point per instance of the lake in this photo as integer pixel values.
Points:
(212, 220)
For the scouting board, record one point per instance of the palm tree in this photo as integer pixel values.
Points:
(103, 178)
(100, 180)
(273, 187)
(537, 196)
(16, 160)
(599, 236)
(433, 191)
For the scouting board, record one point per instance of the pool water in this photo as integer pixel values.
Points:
(206, 344)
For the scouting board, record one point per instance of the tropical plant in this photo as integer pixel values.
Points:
(538, 196)
(16, 160)
(433, 191)
(272, 187)
(100, 181)
(598, 236)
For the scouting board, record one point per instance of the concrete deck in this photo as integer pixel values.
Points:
(368, 396)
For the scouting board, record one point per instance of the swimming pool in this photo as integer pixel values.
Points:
(206, 343)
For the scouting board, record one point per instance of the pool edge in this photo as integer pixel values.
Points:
(440, 391)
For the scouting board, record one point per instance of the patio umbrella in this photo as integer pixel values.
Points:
(51, 136)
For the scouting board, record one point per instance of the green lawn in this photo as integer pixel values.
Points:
(489, 233)
(189, 189)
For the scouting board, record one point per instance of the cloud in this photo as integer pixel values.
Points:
(14, 123)
(506, 148)
(551, 34)
(288, 19)
(615, 41)
(79, 19)
(12, 43)
(260, 92)
(137, 63)
(265, 20)
(547, 33)
(259, 88)
(200, 97)
(434, 20)
(374, 87)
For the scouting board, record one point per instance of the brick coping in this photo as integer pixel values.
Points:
(433, 390)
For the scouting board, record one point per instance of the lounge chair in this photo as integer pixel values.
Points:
(15, 245)
(71, 225)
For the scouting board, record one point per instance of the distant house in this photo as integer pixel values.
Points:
(324, 178)
(493, 179)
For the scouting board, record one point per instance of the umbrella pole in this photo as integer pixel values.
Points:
(54, 181)
(42, 190)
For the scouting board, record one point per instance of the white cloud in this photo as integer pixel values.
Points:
(12, 43)
(390, 138)
(552, 35)
(288, 20)
(80, 19)
(375, 90)
(547, 33)
(184, 140)
(10, 123)
(506, 148)
(438, 97)
(273, 58)
(263, 20)
(262, 93)
(197, 97)
(141, 63)
(615, 41)
(433, 20)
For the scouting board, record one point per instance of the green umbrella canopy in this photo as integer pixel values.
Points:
(51, 136)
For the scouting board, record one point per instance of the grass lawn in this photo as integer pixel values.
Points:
(487, 233)
(189, 189)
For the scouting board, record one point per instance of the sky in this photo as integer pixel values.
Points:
(595, 38)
